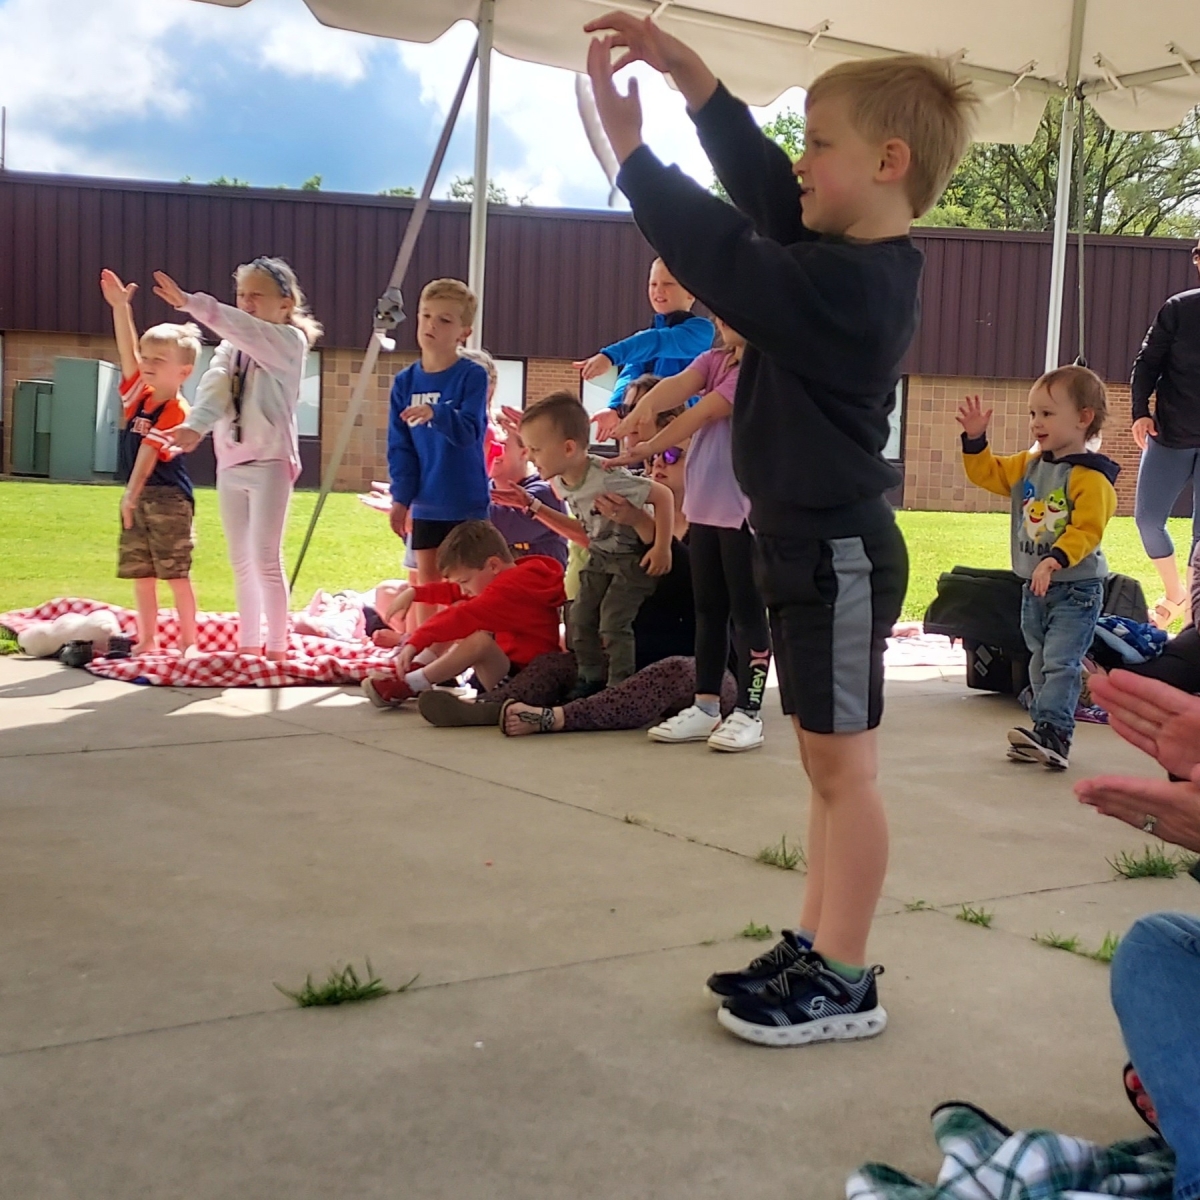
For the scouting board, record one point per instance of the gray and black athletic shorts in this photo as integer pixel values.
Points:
(832, 603)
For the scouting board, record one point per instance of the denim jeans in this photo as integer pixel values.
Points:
(1058, 629)
(1155, 983)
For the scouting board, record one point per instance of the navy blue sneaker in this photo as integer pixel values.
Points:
(808, 1002)
(751, 980)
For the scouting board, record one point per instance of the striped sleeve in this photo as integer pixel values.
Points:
(172, 414)
(133, 391)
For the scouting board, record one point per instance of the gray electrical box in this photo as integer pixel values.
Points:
(30, 448)
(85, 418)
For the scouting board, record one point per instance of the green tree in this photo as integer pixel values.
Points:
(399, 191)
(462, 187)
(1134, 183)
(311, 184)
(221, 181)
(788, 130)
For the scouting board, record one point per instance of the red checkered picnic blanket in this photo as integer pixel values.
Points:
(310, 660)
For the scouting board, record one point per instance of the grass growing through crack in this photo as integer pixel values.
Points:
(1108, 948)
(759, 933)
(343, 987)
(918, 906)
(783, 856)
(975, 916)
(8, 643)
(1153, 863)
(1056, 941)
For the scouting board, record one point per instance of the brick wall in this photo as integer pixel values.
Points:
(933, 472)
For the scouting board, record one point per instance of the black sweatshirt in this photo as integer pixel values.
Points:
(827, 323)
(1169, 363)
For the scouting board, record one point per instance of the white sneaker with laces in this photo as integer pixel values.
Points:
(691, 725)
(739, 731)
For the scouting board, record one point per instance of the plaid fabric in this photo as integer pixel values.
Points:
(986, 1161)
(310, 660)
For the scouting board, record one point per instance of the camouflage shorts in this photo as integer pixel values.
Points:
(159, 546)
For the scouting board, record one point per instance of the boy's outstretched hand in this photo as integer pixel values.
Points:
(511, 495)
(973, 417)
(620, 115)
(167, 290)
(113, 290)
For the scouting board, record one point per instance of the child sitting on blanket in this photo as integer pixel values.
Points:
(157, 507)
(503, 613)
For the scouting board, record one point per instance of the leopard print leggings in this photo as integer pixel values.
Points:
(656, 692)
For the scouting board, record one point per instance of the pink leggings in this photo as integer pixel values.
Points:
(654, 693)
(253, 499)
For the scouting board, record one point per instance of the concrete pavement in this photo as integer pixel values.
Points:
(168, 856)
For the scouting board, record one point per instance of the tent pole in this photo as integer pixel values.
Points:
(479, 199)
(1062, 200)
(387, 315)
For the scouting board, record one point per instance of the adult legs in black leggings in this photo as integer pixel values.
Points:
(724, 591)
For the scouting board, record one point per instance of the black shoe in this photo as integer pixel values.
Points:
(751, 980)
(447, 711)
(809, 1002)
(584, 688)
(77, 654)
(1045, 744)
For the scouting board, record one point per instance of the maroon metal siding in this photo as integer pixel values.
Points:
(561, 283)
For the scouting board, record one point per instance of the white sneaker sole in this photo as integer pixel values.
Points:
(657, 735)
(849, 1028)
(734, 747)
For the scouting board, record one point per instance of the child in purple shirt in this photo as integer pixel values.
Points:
(721, 546)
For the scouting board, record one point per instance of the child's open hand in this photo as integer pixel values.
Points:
(973, 417)
(1043, 574)
(635, 454)
(620, 115)
(417, 414)
(511, 495)
(606, 422)
(657, 560)
(114, 291)
(509, 421)
(589, 368)
(167, 290)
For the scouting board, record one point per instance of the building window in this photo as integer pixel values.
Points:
(894, 450)
(510, 383)
(308, 411)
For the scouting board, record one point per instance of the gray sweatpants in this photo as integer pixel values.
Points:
(611, 590)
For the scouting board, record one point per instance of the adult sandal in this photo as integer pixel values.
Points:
(541, 719)
(1165, 611)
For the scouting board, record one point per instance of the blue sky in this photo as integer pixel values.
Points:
(162, 89)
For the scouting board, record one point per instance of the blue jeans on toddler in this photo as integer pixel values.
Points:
(1058, 629)
(1155, 982)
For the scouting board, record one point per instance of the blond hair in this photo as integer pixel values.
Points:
(916, 99)
(484, 359)
(565, 414)
(456, 290)
(284, 279)
(1086, 390)
(185, 339)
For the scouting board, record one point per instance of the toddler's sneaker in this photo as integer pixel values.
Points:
(1045, 744)
(691, 725)
(386, 691)
(739, 731)
(750, 981)
(809, 1002)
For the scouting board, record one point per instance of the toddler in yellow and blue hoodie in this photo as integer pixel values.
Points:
(1062, 497)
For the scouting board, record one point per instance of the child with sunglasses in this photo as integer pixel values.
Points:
(721, 546)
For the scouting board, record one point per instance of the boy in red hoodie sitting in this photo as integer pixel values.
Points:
(502, 615)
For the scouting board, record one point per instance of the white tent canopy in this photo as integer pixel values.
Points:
(1137, 64)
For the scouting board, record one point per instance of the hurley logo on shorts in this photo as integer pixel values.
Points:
(430, 398)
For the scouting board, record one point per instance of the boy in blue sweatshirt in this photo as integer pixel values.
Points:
(674, 340)
(436, 429)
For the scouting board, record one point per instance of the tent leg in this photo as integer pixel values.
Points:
(1062, 221)
(399, 269)
(479, 201)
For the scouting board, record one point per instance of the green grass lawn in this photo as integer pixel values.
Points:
(60, 539)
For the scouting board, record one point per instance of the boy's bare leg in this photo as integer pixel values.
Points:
(814, 881)
(843, 768)
(145, 593)
(185, 606)
(427, 572)
(478, 651)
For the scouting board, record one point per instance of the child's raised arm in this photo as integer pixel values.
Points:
(709, 408)
(668, 393)
(119, 296)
